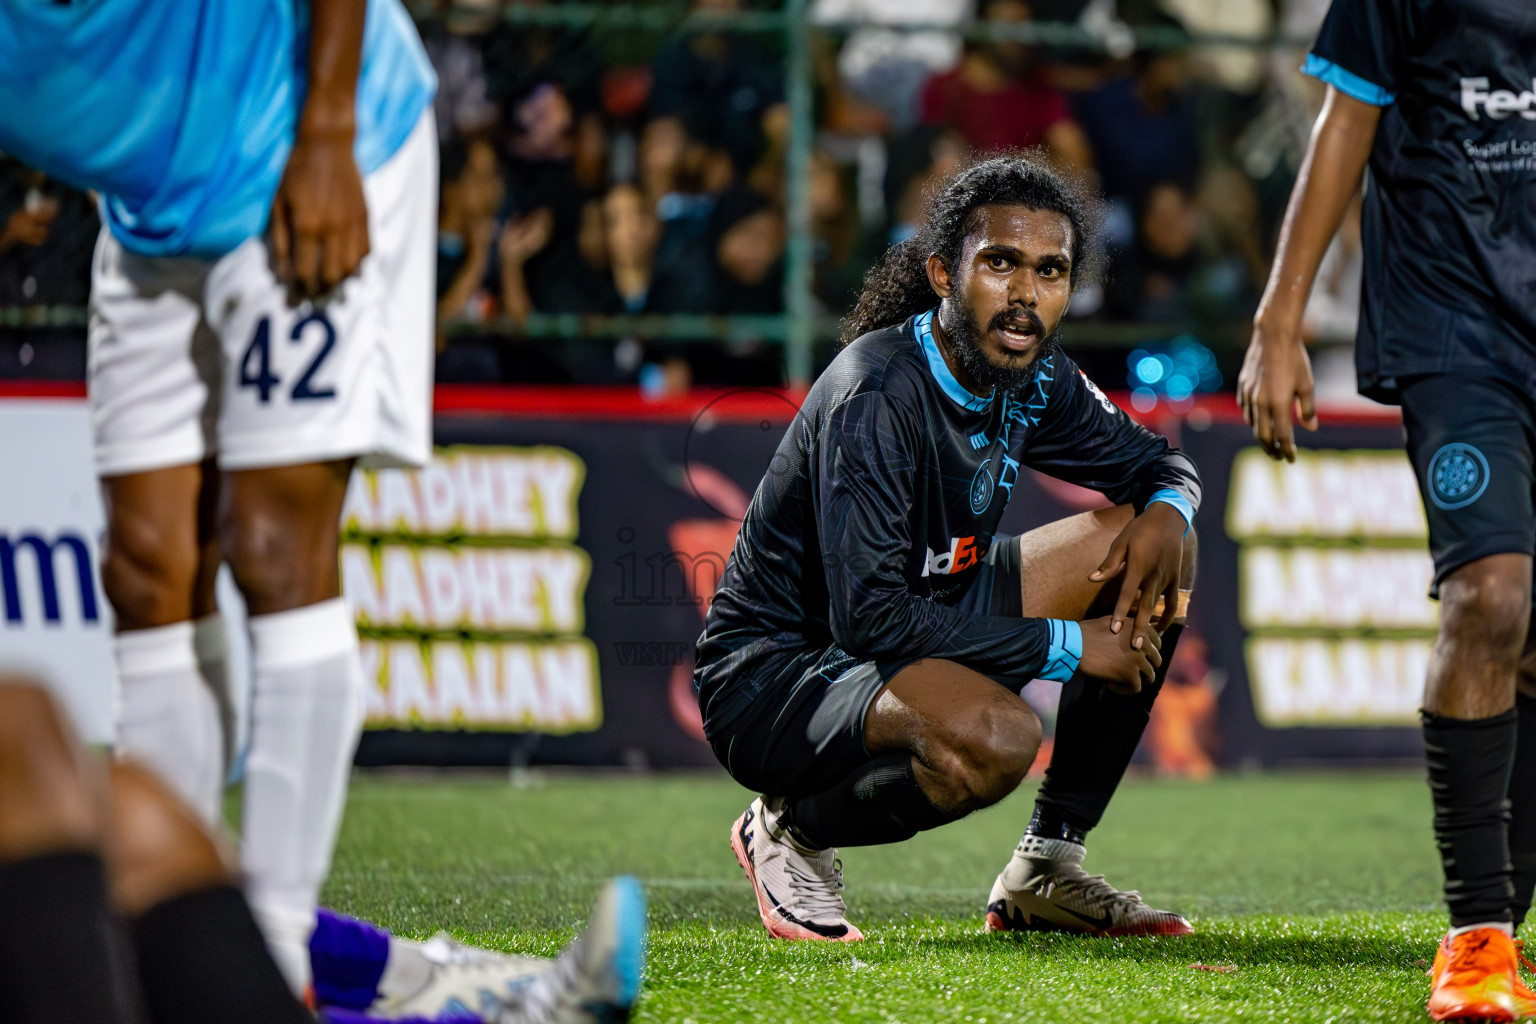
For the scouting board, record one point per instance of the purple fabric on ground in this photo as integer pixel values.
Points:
(346, 958)
(331, 1015)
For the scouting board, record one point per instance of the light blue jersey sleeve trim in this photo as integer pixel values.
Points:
(1347, 82)
(1169, 496)
(1065, 652)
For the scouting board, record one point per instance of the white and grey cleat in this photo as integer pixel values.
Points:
(461, 981)
(596, 980)
(1045, 889)
(799, 891)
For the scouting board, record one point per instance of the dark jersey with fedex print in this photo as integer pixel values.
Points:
(882, 502)
(1450, 208)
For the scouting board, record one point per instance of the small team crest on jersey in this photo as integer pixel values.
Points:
(1458, 476)
(982, 488)
(1093, 389)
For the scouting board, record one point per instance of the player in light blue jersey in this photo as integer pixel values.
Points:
(261, 319)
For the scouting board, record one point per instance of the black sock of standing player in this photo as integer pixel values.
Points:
(202, 957)
(62, 958)
(881, 802)
(1522, 801)
(1097, 731)
(1469, 770)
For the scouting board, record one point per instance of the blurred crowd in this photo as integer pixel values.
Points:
(599, 172)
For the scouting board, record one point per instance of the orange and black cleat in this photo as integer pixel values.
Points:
(1476, 977)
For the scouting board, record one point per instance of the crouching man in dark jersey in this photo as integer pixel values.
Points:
(862, 658)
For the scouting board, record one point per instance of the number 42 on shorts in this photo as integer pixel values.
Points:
(256, 363)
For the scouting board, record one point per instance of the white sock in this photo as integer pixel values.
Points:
(306, 713)
(210, 642)
(406, 971)
(1503, 926)
(167, 717)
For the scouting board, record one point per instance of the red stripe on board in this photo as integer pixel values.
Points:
(732, 405)
(617, 403)
(42, 389)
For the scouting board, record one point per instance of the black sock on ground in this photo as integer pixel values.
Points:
(62, 957)
(881, 802)
(1097, 731)
(1469, 771)
(1522, 806)
(203, 950)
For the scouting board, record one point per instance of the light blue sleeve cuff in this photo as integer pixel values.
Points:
(1065, 652)
(1347, 82)
(1169, 496)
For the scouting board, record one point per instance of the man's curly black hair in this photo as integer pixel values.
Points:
(897, 287)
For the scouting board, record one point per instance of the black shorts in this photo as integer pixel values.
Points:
(1472, 442)
(804, 730)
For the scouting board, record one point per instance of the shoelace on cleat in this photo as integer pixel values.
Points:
(1092, 890)
(821, 895)
(1469, 961)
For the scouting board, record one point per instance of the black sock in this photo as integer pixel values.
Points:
(1522, 806)
(1469, 769)
(1097, 731)
(62, 957)
(202, 957)
(879, 803)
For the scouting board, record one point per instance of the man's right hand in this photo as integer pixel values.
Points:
(1114, 660)
(1276, 378)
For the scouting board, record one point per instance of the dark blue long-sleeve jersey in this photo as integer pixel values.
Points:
(882, 501)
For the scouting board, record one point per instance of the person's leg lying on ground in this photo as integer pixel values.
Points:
(157, 571)
(279, 530)
(61, 957)
(1097, 731)
(941, 741)
(194, 940)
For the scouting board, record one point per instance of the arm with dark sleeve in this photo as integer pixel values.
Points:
(863, 474)
(1362, 48)
(1085, 439)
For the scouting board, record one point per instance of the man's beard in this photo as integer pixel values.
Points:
(965, 334)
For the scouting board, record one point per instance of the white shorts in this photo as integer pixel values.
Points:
(192, 358)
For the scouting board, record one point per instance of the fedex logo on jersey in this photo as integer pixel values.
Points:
(962, 554)
(1497, 103)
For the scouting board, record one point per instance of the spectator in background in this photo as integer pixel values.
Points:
(541, 261)
(463, 106)
(723, 88)
(1174, 271)
(998, 101)
(681, 179)
(843, 250)
(1152, 281)
(472, 194)
(1142, 126)
(47, 234)
(885, 66)
(748, 236)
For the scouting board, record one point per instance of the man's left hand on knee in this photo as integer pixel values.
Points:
(1150, 554)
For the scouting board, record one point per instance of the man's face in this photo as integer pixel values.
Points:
(1006, 297)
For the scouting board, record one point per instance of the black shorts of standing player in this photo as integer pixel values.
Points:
(1472, 442)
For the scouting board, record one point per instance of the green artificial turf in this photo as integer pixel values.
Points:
(1319, 890)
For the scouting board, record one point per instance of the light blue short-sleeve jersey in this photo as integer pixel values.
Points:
(181, 113)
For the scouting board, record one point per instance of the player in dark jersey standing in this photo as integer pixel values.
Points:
(862, 657)
(1438, 98)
